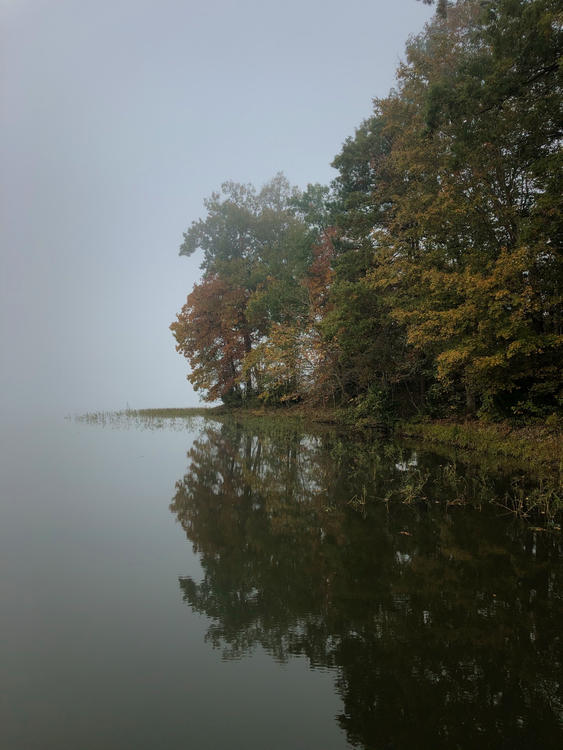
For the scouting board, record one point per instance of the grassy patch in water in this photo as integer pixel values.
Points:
(170, 413)
(447, 463)
(145, 418)
(536, 445)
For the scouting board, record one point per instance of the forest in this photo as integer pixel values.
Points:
(426, 278)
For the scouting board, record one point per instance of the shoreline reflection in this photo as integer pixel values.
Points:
(441, 624)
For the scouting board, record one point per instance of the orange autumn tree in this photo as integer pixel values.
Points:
(212, 333)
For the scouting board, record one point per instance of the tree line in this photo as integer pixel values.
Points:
(427, 276)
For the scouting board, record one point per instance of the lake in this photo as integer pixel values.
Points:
(203, 584)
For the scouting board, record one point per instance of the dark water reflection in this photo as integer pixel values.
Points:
(441, 622)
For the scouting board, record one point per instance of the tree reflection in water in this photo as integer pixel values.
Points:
(442, 624)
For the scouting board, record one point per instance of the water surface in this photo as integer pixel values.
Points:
(196, 584)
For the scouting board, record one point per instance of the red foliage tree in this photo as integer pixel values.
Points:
(212, 333)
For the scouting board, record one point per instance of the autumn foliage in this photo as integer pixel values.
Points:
(212, 332)
(427, 277)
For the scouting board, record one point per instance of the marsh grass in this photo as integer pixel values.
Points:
(145, 418)
(462, 465)
(536, 446)
(413, 486)
(537, 499)
(541, 502)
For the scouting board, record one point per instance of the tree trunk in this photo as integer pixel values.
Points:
(470, 404)
(421, 389)
(248, 349)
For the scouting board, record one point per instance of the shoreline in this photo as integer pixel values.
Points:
(529, 458)
(536, 445)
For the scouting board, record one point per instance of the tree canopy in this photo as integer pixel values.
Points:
(257, 249)
(428, 276)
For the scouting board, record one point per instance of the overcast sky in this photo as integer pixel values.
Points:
(118, 118)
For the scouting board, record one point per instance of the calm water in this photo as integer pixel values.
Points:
(205, 585)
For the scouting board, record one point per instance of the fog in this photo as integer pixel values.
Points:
(118, 119)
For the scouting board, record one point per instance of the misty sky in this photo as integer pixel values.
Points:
(118, 118)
